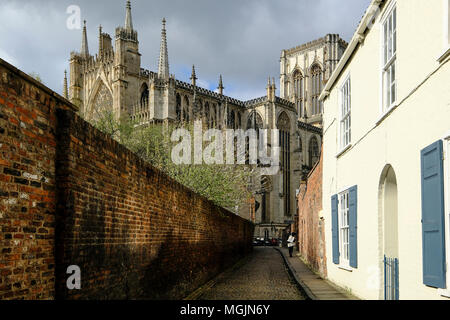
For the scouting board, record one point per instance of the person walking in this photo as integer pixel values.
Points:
(291, 243)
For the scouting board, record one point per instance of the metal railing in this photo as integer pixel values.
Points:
(391, 288)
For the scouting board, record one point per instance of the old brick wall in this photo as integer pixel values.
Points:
(27, 185)
(311, 227)
(70, 195)
(134, 232)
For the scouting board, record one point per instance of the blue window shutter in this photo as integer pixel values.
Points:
(353, 226)
(335, 228)
(433, 226)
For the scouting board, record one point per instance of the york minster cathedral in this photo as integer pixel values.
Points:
(114, 78)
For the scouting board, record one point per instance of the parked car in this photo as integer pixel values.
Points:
(258, 242)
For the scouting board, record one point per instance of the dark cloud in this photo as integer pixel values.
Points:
(241, 39)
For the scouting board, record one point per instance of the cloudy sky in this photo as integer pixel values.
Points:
(240, 39)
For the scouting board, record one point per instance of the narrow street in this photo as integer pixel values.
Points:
(262, 277)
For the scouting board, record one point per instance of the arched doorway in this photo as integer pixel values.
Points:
(388, 209)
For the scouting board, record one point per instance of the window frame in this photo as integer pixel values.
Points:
(446, 31)
(345, 116)
(446, 140)
(344, 247)
(389, 62)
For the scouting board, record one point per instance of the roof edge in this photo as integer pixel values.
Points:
(357, 38)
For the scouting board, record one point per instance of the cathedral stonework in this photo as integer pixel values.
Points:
(114, 80)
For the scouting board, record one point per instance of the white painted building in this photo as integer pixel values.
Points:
(386, 170)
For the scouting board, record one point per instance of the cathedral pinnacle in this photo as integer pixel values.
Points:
(100, 41)
(220, 87)
(65, 91)
(128, 19)
(163, 67)
(84, 43)
(193, 76)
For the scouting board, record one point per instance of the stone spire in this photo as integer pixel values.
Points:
(100, 41)
(128, 19)
(163, 67)
(84, 43)
(220, 87)
(193, 76)
(65, 91)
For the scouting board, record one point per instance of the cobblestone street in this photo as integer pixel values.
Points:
(262, 277)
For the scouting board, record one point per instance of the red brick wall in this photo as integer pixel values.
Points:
(69, 195)
(27, 185)
(311, 227)
(133, 231)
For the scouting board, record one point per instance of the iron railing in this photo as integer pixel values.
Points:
(391, 288)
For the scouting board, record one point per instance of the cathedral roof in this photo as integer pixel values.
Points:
(312, 45)
(244, 104)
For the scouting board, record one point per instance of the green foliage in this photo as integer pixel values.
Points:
(36, 76)
(225, 185)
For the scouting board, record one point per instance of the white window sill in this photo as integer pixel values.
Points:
(346, 268)
(340, 153)
(386, 114)
(444, 292)
(443, 56)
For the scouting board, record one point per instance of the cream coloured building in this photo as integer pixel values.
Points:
(386, 170)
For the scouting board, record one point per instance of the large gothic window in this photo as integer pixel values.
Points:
(103, 102)
(254, 121)
(214, 116)
(178, 108)
(186, 113)
(231, 119)
(144, 95)
(317, 85)
(207, 114)
(299, 92)
(285, 149)
(313, 151)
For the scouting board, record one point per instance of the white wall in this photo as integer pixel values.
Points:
(421, 118)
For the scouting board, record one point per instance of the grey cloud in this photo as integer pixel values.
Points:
(241, 39)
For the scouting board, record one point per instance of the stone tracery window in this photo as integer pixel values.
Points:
(178, 108)
(214, 116)
(186, 109)
(103, 102)
(284, 126)
(144, 95)
(313, 151)
(231, 119)
(299, 91)
(254, 121)
(316, 86)
(208, 115)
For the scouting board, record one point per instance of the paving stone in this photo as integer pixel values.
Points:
(262, 277)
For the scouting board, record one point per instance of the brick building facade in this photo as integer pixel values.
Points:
(310, 223)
